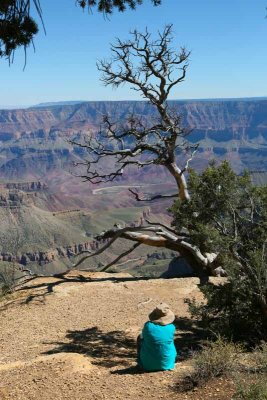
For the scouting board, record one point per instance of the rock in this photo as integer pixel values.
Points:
(177, 268)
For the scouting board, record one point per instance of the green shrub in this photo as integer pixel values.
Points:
(259, 357)
(256, 390)
(9, 276)
(227, 216)
(231, 310)
(6, 283)
(218, 358)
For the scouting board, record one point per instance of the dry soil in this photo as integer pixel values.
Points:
(74, 338)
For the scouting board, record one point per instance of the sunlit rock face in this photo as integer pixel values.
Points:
(33, 141)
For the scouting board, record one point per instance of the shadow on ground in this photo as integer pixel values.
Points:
(106, 349)
(190, 337)
(40, 290)
(115, 348)
(45, 288)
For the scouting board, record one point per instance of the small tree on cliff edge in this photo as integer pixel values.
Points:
(220, 219)
(227, 214)
(153, 68)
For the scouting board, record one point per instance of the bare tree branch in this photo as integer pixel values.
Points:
(163, 226)
(153, 68)
(161, 237)
(121, 256)
(152, 198)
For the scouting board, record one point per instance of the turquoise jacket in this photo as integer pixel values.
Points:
(157, 351)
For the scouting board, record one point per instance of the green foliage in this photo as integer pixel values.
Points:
(107, 6)
(9, 275)
(224, 211)
(17, 27)
(253, 385)
(218, 358)
(227, 215)
(259, 356)
(252, 391)
(231, 309)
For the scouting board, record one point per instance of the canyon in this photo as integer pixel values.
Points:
(39, 187)
(35, 142)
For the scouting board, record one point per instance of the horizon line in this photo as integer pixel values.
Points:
(76, 102)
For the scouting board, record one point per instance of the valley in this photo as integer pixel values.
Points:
(49, 215)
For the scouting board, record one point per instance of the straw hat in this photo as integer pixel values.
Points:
(162, 315)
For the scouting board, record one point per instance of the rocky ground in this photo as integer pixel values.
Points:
(74, 338)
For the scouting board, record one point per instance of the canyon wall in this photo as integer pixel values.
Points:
(34, 142)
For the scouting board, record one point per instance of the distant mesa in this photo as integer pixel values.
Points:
(74, 102)
(34, 140)
(58, 103)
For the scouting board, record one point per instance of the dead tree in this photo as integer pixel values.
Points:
(152, 68)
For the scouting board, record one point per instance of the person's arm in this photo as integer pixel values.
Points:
(144, 331)
(173, 330)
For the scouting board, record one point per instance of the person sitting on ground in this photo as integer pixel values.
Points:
(155, 345)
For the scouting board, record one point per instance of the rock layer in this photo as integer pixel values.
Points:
(33, 141)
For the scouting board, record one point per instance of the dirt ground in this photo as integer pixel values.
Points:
(74, 338)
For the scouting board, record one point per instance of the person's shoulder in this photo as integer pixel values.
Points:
(172, 327)
(147, 324)
(168, 327)
(150, 326)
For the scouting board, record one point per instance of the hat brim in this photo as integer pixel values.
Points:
(165, 320)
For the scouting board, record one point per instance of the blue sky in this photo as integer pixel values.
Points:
(228, 40)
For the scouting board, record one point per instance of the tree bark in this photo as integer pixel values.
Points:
(180, 180)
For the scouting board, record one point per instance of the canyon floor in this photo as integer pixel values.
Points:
(74, 338)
